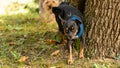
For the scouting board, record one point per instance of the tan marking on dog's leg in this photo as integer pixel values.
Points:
(81, 53)
(70, 58)
(63, 40)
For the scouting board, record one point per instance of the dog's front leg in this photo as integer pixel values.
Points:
(70, 58)
(63, 40)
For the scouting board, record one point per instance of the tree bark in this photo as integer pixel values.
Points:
(102, 26)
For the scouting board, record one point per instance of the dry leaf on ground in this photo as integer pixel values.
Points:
(51, 41)
(22, 59)
(55, 53)
(12, 43)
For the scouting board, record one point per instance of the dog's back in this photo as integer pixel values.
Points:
(69, 10)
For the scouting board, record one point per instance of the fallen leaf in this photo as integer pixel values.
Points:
(55, 53)
(1, 35)
(52, 67)
(1, 28)
(12, 43)
(52, 41)
(22, 59)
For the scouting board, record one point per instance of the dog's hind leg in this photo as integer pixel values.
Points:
(82, 45)
(81, 52)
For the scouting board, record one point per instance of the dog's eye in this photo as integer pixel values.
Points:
(66, 30)
(53, 1)
(47, 2)
(72, 28)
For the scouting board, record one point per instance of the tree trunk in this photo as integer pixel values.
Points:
(102, 28)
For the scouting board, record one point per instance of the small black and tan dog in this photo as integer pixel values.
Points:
(70, 23)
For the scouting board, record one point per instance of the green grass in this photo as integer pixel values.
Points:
(25, 35)
(22, 35)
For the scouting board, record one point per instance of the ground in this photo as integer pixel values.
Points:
(25, 43)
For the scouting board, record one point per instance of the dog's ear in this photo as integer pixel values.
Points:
(56, 10)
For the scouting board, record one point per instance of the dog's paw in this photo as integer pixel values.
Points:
(70, 61)
(81, 56)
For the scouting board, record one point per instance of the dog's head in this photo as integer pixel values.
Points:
(71, 28)
(48, 4)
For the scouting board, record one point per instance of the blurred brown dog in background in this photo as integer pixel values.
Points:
(45, 9)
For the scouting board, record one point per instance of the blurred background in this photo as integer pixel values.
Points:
(8, 7)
